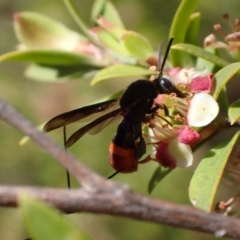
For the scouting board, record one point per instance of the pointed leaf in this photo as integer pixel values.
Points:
(200, 52)
(107, 10)
(192, 34)
(97, 9)
(112, 28)
(57, 73)
(157, 176)
(234, 111)
(206, 178)
(223, 76)
(192, 37)
(52, 57)
(73, 11)
(110, 42)
(120, 70)
(179, 28)
(137, 45)
(223, 102)
(44, 222)
(111, 14)
(36, 31)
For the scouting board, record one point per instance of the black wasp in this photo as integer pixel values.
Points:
(135, 104)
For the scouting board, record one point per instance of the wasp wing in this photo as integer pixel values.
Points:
(101, 121)
(78, 114)
(101, 126)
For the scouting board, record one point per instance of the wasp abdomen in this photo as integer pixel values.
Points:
(122, 159)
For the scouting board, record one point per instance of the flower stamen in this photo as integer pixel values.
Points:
(218, 28)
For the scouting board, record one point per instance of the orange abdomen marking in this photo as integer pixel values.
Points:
(122, 159)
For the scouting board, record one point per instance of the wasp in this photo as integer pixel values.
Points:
(134, 106)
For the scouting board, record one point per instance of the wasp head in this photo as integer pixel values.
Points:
(166, 86)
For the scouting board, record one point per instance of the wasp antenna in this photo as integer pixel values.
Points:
(159, 56)
(65, 142)
(161, 64)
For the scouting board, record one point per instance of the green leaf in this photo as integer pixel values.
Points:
(234, 111)
(192, 34)
(44, 222)
(106, 9)
(223, 76)
(200, 52)
(157, 176)
(73, 11)
(137, 45)
(36, 31)
(116, 31)
(97, 9)
(111, 14)
(110, 42)
(57, 73)
(202, 63)
(206, 178)
(223, 101)
(52, 57)
(179, 27)
(110, 36)
(119, 71)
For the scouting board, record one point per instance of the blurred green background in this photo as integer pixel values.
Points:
(39, 101)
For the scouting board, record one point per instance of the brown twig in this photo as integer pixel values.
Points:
(128, 204)
(85, 176)
(103, 196)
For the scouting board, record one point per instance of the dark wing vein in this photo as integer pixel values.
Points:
(106, 119)
(101, 126)
(78, 114)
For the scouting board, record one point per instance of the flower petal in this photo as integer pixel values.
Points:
(174, 71)
(202, 110)
(188, 136)
(201, 84)
(233, 39)
(211, 42)
(163, 156)
(174, 154)
(182, 153)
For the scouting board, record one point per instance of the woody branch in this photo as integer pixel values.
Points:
(98, 195)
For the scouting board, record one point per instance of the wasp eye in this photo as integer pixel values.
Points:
(166, 86)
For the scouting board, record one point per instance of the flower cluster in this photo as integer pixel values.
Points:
(232, 40)
(196, 111)
(108, 44)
